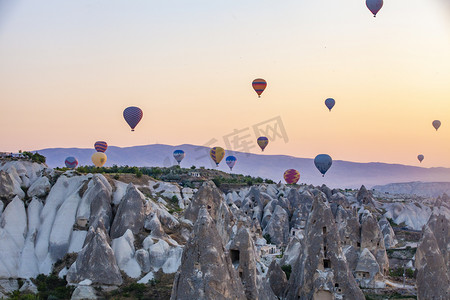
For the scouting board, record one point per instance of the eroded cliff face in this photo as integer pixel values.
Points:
(321, 268)
(432, 263)
(240, 245)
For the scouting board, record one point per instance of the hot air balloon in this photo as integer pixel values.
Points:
(231, 161)
(323, 163)
(217, 154)
(133, 116)
(71, 162)
(330, 103)
(259, 85)
(100, 146)
(374, 6)
(291, 176)
(420, 157)
(436, 124)
(179, 155)
(262, 142)
(99, 159)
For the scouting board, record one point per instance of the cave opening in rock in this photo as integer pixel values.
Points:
(234, 256)
(326, 263)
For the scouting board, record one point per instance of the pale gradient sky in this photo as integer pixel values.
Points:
(69, 68)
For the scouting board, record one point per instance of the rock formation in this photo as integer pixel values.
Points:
(206, 270)
(321, 268)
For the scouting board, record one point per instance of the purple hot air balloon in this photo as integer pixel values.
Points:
(71, 162)
(329, 102)
(374, 6)
(178, 155)
(133, 116)
(100, 146)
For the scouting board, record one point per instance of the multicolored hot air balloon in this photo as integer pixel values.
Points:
(133, 116)
(217, 154)
(259, 85)
(420, 157)
(71, 162)
(99, 159)
(291, 176)
(323, 163)
(179, 155)
(436, 124)
(100, 146)
(231, 161)
(330, 103)
(262, 142)
(374, 6)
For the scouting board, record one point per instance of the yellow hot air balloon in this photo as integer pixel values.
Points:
(99, 159)
(217, 154)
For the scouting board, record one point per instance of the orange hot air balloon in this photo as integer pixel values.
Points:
(217, 154)
(259, 85)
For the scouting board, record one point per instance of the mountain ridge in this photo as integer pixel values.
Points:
(342, 173)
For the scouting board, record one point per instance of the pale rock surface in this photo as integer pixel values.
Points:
(206, 271)
(28, 266)
(414, 215)
(158, 254)
(96, 262)
(77, 241)
(166, 189)
(95, 205)
(173, 260)
(365, 197)
(8, 286)
(277, 279)
(63, 189)
(119, 193)
(9, 187)
(278, 227)
(84, 292)
(124, 252)
(439, 224)
(62, 227)
(39, 188)
(147, 278)
(372, 238)
(389, 235)
(321, 268)
(209, 196)
(130, 213)
(367, 265)
(28, 287)
(244, 259)
(13, 226)
(432, 280)
(143, 259)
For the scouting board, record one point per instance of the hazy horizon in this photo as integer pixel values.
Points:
(69, 69)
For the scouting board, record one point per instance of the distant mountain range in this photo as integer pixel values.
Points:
(427, 189)
(342, 174)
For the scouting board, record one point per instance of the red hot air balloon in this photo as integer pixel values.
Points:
(291, 176)
(133, 116)
(100, 146)
(259, 85)
(71, 162)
